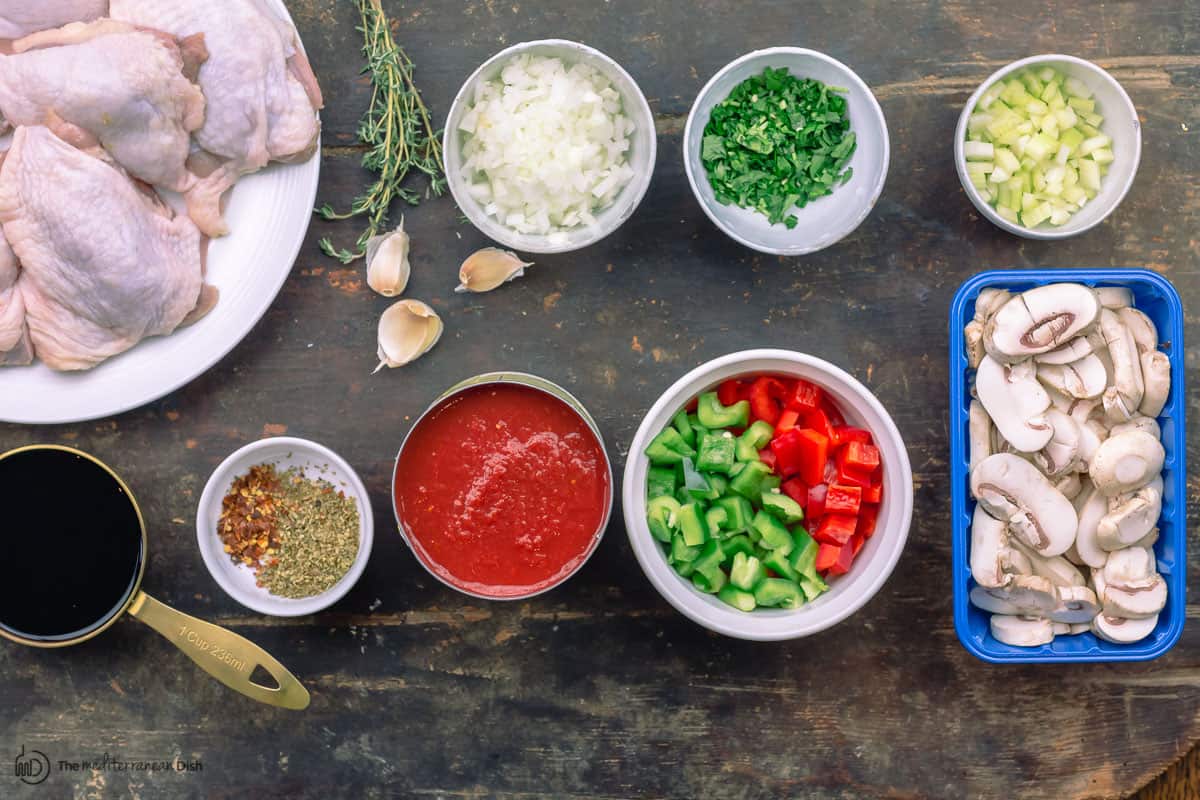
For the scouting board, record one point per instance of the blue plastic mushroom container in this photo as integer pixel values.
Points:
(1156, 297)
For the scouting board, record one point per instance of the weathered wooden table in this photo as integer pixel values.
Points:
(599, 689)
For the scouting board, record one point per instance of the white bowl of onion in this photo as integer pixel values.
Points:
(549, 159)
(1081, 198)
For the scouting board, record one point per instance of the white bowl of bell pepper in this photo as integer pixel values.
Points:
(767, 495)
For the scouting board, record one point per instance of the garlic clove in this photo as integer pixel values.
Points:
(407, 330)
(488, 268)
(387, 262)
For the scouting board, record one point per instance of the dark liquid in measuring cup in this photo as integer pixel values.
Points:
(71, 544)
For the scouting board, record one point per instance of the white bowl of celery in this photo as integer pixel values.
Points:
(1048, 146)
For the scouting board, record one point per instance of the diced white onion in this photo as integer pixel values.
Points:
(548, 145)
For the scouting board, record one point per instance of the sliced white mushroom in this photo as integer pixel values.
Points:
(1076, 604)
(1123, 631)
(1056, 569)
(1082, 627)
(1091, 506)
(1156, 378)
(973, 339)
(1026, 594)
(1083, 379)
(1139, 423)
(1059, 400)
(1060, 628)
(1136, 601)
(1077, 348)
(1122, 399)
(1089, 443)
(1011, 489)
(1070, 485)
(1084, 410)
(1061, 453)
(1114, 296)
(1040, 320)
(1016, 402)
(1126, 462)
(1132, 587)
(994, 563)
(1131, 517)
(1021, 631)
(1145, 335)
(989, 302)
(979, 429)
(1149, 540)
(1072, 555)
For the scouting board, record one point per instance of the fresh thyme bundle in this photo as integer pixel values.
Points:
(397, 129)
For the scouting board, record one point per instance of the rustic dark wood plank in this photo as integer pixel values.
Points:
(599, 690)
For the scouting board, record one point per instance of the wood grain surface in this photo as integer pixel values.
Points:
(599, 689)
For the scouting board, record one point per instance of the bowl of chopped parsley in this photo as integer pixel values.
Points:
(786, 150)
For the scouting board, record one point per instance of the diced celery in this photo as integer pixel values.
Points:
(999, 175)
(1051, 93)
(1104, 156)
(1066, 118)
(1006, 159)
(1075, 194)
(1047, 74)
(978, 151)
(1076, 88)
(1072, 138)
(1086, 129)
(1036, 107)
(990, 96)
(1028, 201)
(1059, 216)
(1036, 216)
(1094, 143)
(977, 122)
(1082, 105)
(1008, 214)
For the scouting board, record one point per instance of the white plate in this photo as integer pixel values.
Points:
(268, 215)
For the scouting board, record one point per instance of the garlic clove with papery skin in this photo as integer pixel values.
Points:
(387, 262)
(407, 330)
(488, 268)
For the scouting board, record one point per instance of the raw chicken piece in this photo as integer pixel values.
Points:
(14, 333)
(123, 87)
(104, 263)
(21, 17)
(262, 94)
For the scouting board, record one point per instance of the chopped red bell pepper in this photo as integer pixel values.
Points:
(844, 434)
(873, 493)
(787, 420)
(831, 472)
(788, 455)
(843, 500)
(814, 452)
(844, 560)
(861, 457)
(767, 457)
(827, 556)
(729, 392)
(804, 396)
(848, 475)
(857, 542)
(868, 516)
(815, 507)
(831, 411)
(835, 529)
(817, 420)
(796, 489)
(766, 399)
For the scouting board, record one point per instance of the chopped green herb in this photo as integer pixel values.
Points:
(778, 141)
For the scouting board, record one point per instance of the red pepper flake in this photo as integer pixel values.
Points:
(248, 522)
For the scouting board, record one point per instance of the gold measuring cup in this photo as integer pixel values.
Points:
(229, 658)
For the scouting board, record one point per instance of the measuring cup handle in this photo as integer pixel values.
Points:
(229, 658)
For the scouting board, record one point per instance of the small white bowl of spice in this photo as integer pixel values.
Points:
(285, 526)
(549, 146)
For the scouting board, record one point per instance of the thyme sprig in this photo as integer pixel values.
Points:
(398, 130)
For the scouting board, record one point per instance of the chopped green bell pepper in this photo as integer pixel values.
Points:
(753, 439)
(738, 512)
(746, 572)
(715, 519)
(692, 525)
(782, 507)
(681, 553)
(777, 562)
(771, 482)
(778, 592)
(668, 448)
(773, 534)
(749, 482)
(813, 589)
(737, 544)
(690, 479)
(804, 555)
(711, 557)
(714, 415)
(660, 481)
(711, 580)
(742, 601)
(684, 426)
(716, 452)
(662, 514)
